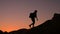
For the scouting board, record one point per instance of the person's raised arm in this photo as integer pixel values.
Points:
(36, 17)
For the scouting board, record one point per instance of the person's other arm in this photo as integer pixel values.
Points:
(36, 17)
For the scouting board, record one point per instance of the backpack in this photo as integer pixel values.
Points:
(32, 15)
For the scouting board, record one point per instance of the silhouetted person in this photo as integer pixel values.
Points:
(33, 16)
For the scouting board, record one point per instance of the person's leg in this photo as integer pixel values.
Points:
(33, 20)
(30, 25)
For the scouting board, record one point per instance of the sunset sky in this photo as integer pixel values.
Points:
(14, 14)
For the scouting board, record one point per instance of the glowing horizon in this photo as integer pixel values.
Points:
(14, 14)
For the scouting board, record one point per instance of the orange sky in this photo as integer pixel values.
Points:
(14, 14)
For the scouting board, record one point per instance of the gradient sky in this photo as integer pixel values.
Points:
(14, 14)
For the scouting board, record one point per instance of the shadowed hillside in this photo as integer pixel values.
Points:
(48, 27)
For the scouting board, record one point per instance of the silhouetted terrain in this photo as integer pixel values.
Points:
(48, 27)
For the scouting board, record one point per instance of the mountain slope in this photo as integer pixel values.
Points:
(51, 26)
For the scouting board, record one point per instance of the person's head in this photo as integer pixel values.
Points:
(35, 11)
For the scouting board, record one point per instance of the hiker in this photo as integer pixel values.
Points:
(33, 16)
